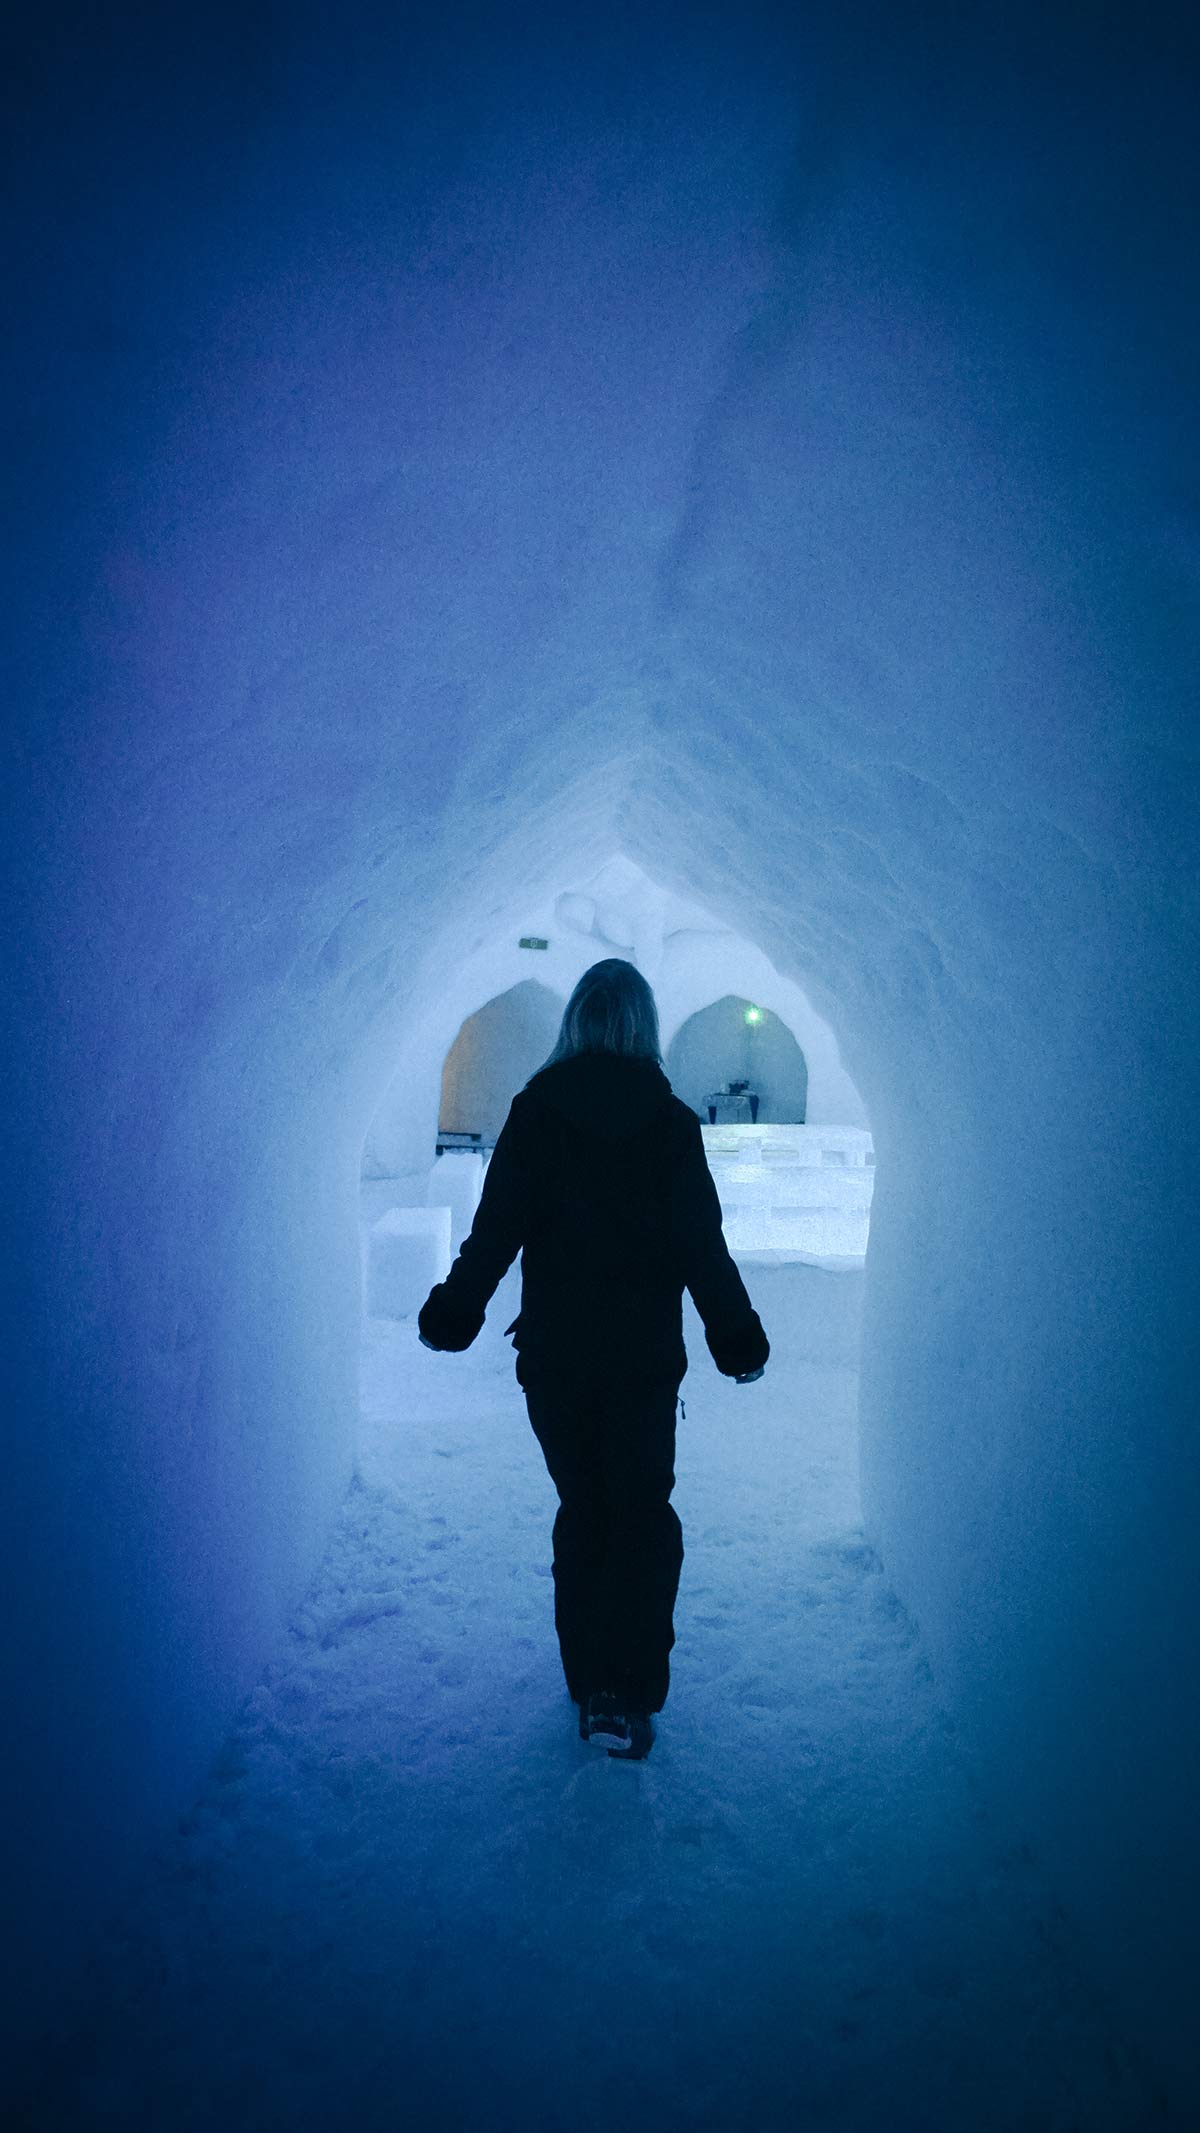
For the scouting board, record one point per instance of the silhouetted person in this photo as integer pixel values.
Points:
(599, 1177)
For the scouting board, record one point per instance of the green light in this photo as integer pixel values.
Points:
(754, 1014)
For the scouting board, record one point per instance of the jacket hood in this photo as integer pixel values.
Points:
(604, 1093)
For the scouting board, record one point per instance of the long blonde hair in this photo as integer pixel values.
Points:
(612, 1009)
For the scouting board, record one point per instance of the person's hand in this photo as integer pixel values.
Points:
(748, 1377)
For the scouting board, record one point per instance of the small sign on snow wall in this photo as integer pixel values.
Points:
(528, 941)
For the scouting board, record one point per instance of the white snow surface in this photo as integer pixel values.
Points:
(408, 1894)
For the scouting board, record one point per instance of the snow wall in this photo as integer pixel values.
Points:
(442, 456)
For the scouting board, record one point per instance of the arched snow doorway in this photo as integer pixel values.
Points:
(427, 1148)
(736, 1047)
(493, 1055)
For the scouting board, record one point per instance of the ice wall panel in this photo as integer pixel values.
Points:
(408, 1251)
(456, 1181)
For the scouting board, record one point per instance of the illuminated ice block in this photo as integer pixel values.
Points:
(747, 1229)
(409, 1250)
(802, 1190)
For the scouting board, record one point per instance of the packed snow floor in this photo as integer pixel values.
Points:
(408, 1894)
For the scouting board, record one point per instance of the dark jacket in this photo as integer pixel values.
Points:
(599, 1178)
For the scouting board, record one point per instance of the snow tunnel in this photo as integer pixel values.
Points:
(449, 464)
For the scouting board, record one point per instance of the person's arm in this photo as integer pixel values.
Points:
(732, 1327)
(453, 1313)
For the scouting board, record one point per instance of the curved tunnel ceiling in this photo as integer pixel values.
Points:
(497, 447)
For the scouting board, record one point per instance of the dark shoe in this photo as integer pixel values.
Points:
(607, 1725)
(641, 1738)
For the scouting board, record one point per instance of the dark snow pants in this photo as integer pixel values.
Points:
(618, 1544)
